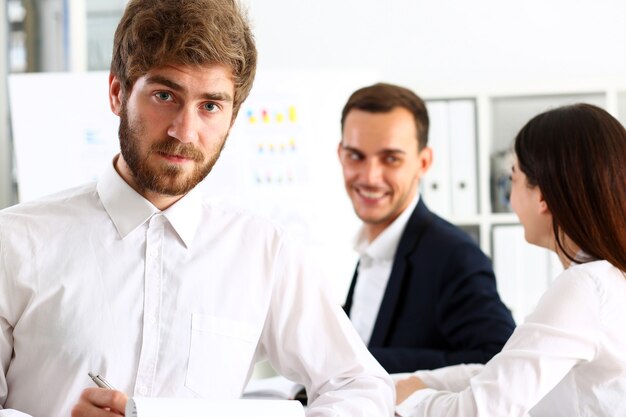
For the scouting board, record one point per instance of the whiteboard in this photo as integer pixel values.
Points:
(63, 130)
(279, 161)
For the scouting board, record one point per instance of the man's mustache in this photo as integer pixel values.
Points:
(175, 148)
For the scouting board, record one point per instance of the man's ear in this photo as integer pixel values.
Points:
(115, 94)
(425, 157)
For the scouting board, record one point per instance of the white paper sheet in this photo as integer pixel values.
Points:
(277, 387)
(167, 407)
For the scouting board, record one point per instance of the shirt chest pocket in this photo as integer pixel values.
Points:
(220, 356)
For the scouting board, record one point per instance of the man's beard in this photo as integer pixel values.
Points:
(167, 180)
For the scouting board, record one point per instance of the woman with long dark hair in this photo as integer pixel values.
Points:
(568, 358)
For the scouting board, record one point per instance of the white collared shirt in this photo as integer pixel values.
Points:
(173, 303)
(375, 263)
(568, 359)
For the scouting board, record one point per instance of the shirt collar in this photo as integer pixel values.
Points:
(384, 246)
(184, 215)
(128, 209)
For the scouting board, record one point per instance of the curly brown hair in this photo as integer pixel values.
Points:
(154, 33)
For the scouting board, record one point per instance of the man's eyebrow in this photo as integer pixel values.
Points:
(392, 151)
(217, 97)
(382, 152)
(158, 79)
(351, 149)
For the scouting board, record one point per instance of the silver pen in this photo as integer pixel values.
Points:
(100, 381)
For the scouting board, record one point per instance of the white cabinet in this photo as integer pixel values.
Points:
(523, 271)
(472, 139)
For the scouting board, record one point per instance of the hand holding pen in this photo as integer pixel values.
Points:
(94, 400)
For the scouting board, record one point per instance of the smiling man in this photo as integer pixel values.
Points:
(139, 279)
(423, 295)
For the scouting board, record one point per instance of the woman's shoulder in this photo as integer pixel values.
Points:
(601, 274)
(579, 294)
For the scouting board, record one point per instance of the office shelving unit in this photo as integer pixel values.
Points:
(499, 114)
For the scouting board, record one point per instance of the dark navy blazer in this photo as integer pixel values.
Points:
(440, 306)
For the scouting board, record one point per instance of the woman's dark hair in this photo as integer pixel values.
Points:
(577, 156)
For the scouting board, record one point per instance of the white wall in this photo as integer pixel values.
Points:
(451, 44)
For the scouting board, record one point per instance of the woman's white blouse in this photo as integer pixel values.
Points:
(567, 359)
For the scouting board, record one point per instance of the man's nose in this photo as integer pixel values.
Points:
(185, 125)
(372, 171)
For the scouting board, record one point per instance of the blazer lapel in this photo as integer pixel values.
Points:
(419, 220)
(347, 306)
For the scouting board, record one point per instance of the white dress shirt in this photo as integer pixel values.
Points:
(568, 358)
(174, 303)
(375, 264)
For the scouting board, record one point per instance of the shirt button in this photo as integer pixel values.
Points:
(152, 319)
(143, 390)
